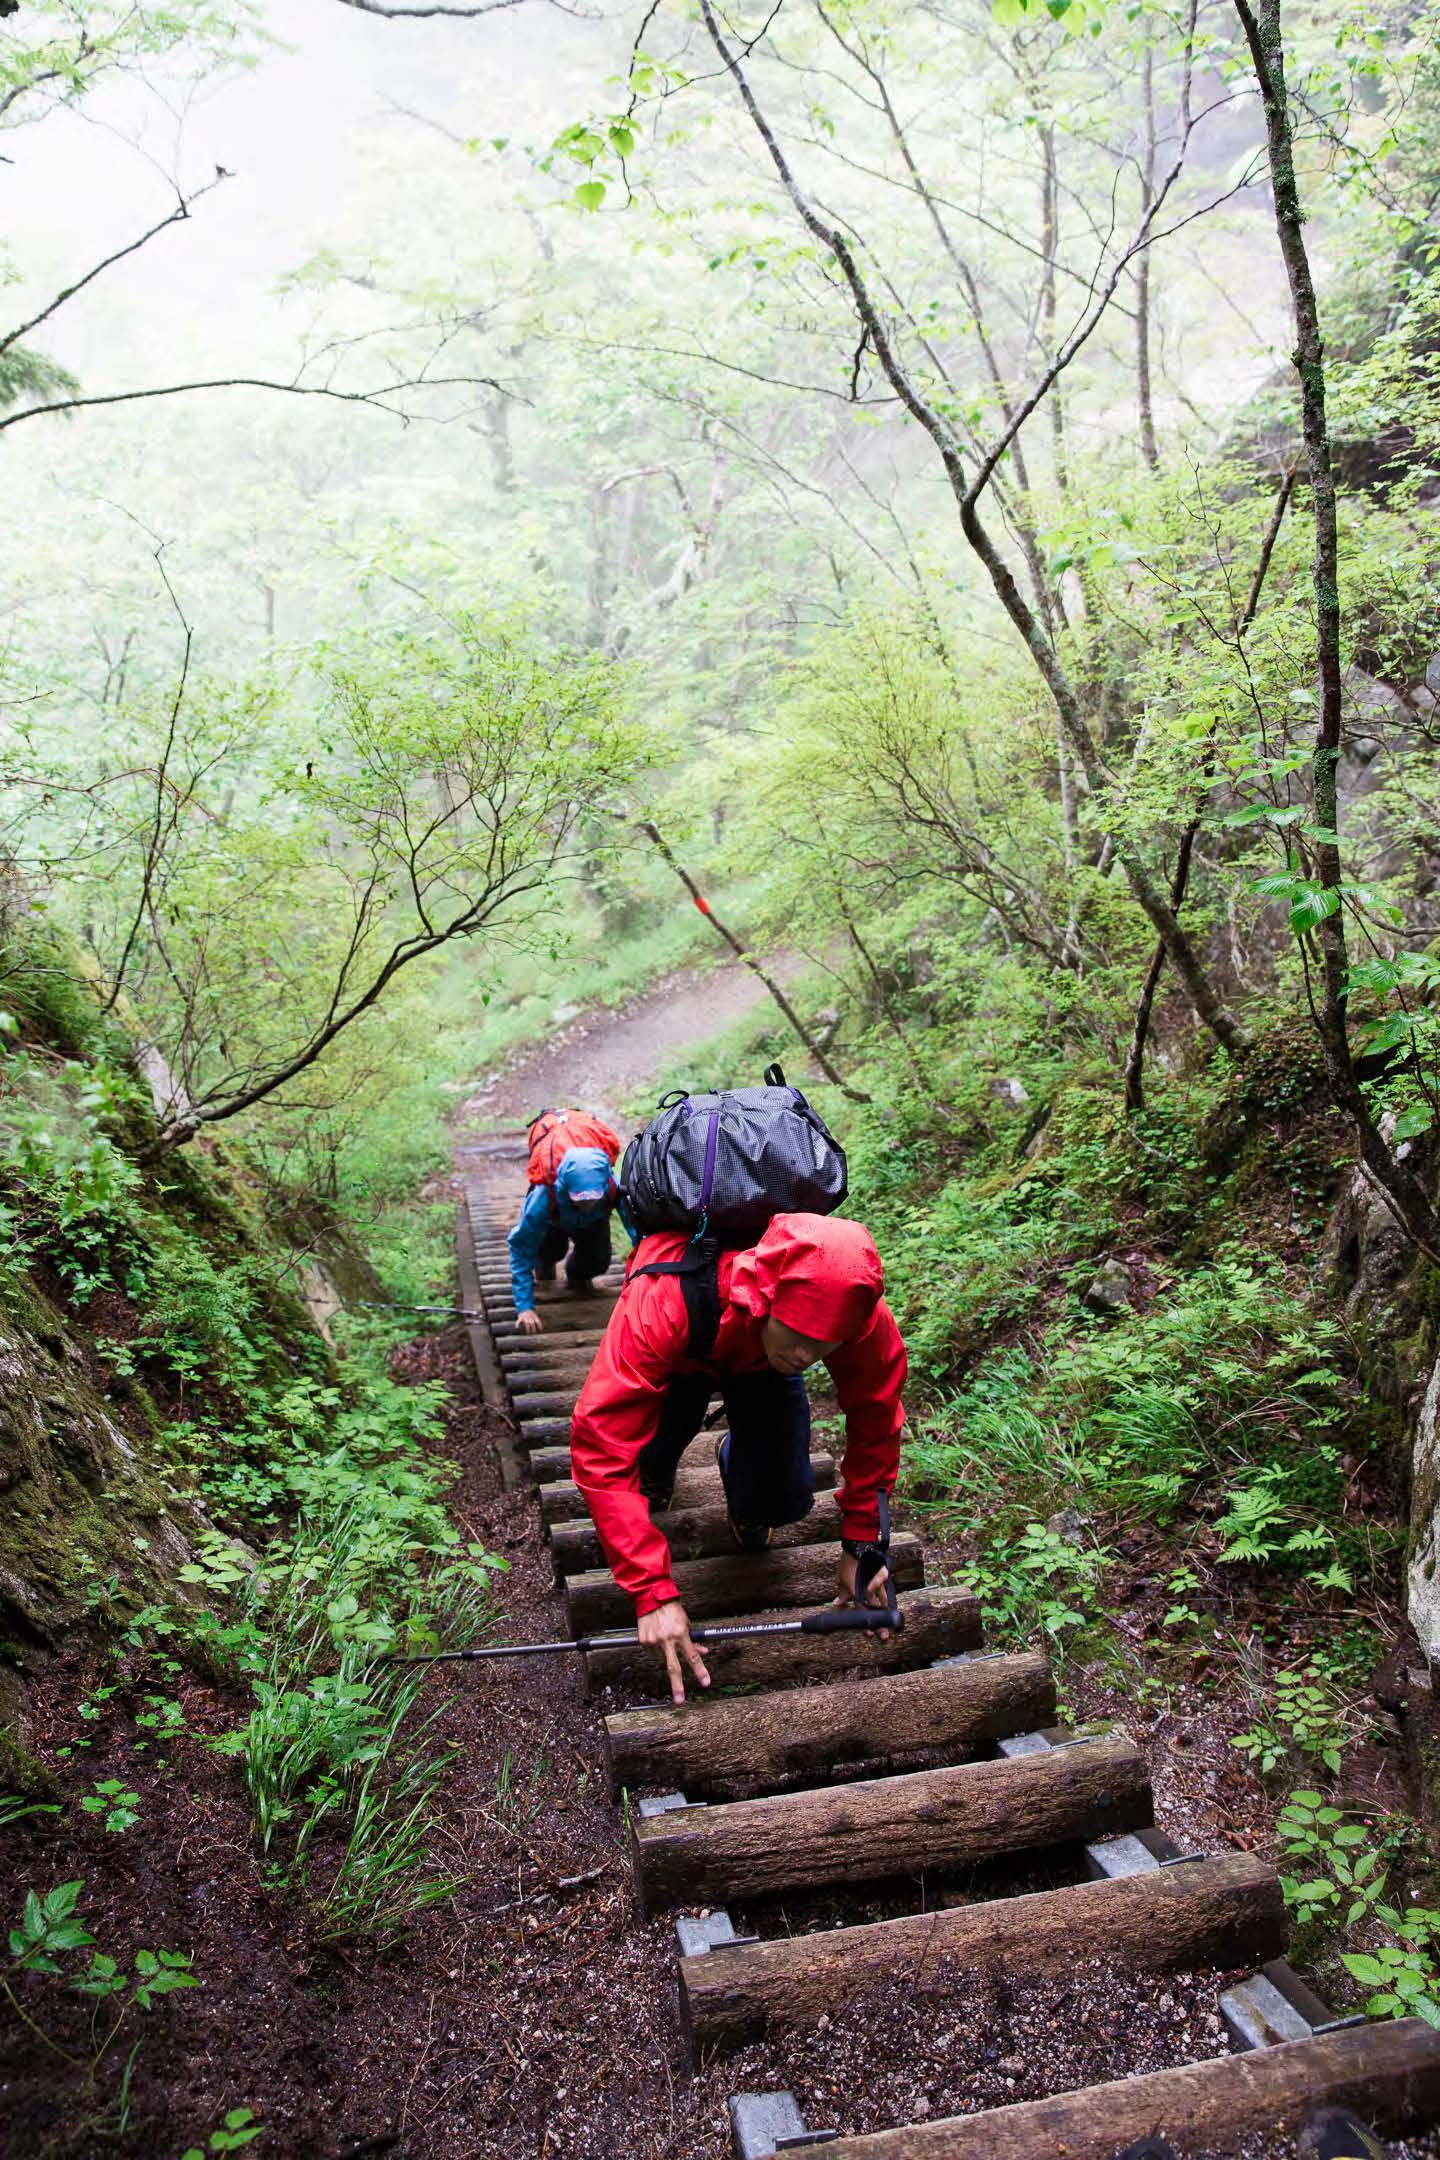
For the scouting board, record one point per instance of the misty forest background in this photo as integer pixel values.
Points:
(861, 441)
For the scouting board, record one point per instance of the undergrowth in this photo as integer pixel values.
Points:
(325, 1550)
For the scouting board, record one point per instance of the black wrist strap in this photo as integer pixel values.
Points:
(871, 1555)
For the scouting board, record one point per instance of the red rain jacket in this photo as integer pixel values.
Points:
(819, 1274)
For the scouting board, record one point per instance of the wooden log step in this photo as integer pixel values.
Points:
(734, 1748)
(697, 1487)
(938, 1623)
(494, 1272)
(495, 1281)
(546, 1430)
(786, 1575)
(693, 1533)
(1225, 1912)
(552, 1299)
(1387, 2074)
(546, 1372)
(563, 1328)
(546, 1352)
(543, 1402)
(530, 1381)
(891, 1826)
(550, 1466)
(499, 1281)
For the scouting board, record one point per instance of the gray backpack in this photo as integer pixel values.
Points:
(718, 1166)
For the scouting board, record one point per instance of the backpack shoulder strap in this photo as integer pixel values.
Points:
(699, 1274)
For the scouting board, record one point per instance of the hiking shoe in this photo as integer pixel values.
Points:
(658, 1497)
(750, 1537)
(1147, 2148)
(580, 1285)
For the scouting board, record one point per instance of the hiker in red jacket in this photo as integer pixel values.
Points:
(810, 1291)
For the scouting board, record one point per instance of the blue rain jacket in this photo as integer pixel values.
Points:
(582, 1170)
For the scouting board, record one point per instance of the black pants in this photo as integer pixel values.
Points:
(767, 1473)
(589, 1254)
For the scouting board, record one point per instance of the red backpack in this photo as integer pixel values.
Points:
(554, 1132)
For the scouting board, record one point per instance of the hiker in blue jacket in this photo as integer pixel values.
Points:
(572, 1215)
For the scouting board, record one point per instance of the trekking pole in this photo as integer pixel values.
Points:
(834, 1620)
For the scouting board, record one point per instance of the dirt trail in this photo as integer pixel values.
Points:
(601, 1060)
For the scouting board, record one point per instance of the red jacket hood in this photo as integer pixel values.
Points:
(819, 1274)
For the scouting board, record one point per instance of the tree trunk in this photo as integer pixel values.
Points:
(1149, 448)
(1227, 1912)
(1049, 245)
(1406, 1196)
(891, 1826)
(770, 1743)
(1179, 884)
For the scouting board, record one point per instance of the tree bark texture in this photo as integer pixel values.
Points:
(1388, 2075)
(938, 1623)
(791, 1575)
(886, 1827)
(544, 1402)
(1226, 1913)
(548, 1431)
(733, 1750)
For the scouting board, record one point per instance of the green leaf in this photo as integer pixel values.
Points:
(1364, 1968)
(1313, 905)
(590, 194)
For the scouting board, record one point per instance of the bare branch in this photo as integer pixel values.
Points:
(376, 398)
(132, 247)
(487, 7)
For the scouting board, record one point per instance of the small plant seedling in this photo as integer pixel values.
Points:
(1303, 1721)
(239, 2128)
(48, 1926)
(1352, 1866)
(120, 1807)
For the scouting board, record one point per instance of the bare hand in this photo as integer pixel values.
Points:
(529, 1323)
(667, 1628)
(876, 1593)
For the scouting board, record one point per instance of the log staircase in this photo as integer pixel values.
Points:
(900, 1762)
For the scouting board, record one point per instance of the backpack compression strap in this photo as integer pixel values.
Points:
(699, 1274)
